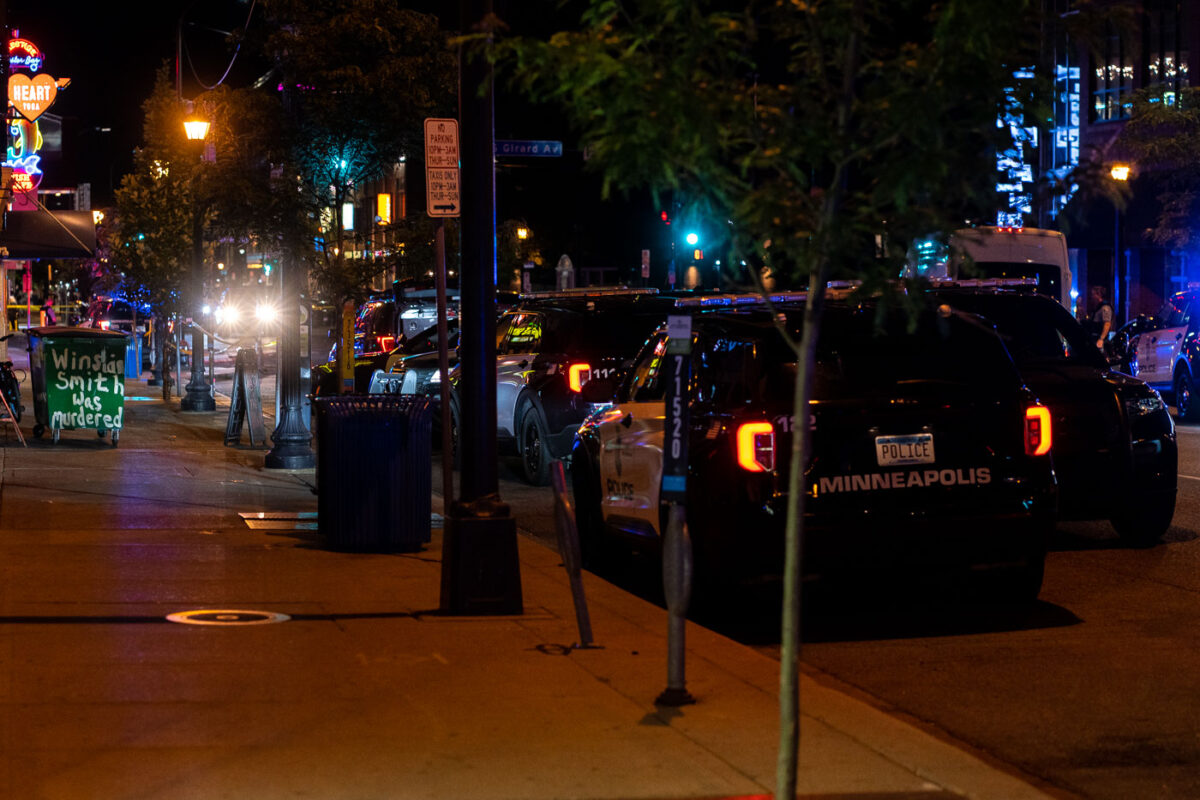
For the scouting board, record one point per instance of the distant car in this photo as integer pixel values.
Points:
(116, 314)
(928, 453)
(1115, 452)
(243, 313)
(325, 379)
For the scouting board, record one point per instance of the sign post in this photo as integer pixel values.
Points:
(677, 546)
(441, 201)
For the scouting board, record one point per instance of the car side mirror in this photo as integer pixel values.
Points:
(598, 390)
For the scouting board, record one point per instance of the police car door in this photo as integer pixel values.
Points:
(514, 360)
(631, 439)
(1157, 349)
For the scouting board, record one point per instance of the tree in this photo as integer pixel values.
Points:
(1162, 137)
(175, 204)
(359, 79)
(151, 237)
(828, 133)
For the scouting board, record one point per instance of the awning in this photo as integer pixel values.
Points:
(48, 234)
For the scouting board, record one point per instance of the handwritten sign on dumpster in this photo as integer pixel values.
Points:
(85, 383)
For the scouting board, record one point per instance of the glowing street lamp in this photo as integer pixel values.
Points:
(199, 393)
(1119, 173)
(196, 129)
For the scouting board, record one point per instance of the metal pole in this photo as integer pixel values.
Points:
(568, 549)
(677, 546)
(477, 360)
(444, 365)
(291, 438)
(677, 586)
(1116, 279)
(199, 394)
(481, 570)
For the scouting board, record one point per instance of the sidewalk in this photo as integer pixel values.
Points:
(365, 691)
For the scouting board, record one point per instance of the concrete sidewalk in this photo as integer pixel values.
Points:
(365, 691)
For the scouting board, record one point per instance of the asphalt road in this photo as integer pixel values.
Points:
(1093, 691)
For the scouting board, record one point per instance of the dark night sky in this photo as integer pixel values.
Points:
(112, 56)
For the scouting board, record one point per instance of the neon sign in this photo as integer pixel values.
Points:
(24, 54)
(30, 95)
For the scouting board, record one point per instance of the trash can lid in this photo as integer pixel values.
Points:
(66, 332)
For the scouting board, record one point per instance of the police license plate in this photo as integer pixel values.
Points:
(893, 451)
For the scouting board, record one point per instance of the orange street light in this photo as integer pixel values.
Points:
(196, 129)
(1120, 172)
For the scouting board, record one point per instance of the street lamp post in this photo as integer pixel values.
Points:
(199, 394)
(1119, 173)
(292, 440)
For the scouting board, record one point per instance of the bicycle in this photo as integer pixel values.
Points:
(10, 385)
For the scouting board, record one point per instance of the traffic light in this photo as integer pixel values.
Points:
(692, 238)
(665, 217)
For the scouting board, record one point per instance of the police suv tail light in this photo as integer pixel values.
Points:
(1037, 431)
(577, 375)
(756, 446)
(387, 343)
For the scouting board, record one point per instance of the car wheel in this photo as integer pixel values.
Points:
(1185, 398)
(1142, 521)
(535, 453)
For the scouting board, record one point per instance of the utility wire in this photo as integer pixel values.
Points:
(236, 52)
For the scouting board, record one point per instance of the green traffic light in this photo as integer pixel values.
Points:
(692, 238)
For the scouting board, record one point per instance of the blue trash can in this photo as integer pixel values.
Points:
(133, 356)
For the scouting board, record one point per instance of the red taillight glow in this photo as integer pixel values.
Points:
(387, 343)
(1037, 431)
(756, 446)
(577, 375)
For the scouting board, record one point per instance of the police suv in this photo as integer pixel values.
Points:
(1115, 452)
(1164, 351)
(927, 449)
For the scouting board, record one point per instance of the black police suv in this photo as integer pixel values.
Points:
(1114, 449)
(928, 451)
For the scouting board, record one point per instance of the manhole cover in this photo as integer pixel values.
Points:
(227, 616)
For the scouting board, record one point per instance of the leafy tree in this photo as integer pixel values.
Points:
(359, 80)
(150, 239)
(1162, 139)
(827, 132)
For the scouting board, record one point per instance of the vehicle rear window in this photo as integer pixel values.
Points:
(1033, 330)
(856, 353)
(580, 333)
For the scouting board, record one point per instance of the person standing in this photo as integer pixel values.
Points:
(48, 316)
(1102, 316)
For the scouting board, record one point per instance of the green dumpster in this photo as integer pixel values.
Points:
(78, 380)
